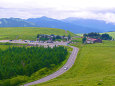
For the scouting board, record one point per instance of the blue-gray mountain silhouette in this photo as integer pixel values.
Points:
(15, 22)
(91, 23)
(53, 23)
(74, 25)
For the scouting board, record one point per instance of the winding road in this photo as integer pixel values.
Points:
(68, 64)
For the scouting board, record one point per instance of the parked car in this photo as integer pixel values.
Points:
(10, 40)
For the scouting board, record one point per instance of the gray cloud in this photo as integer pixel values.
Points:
(36, 12)
(99, 10)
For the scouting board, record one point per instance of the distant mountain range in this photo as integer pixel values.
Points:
(74, 25)
(91, 23)
(15, 22)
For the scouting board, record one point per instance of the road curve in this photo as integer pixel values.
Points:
(69, 64)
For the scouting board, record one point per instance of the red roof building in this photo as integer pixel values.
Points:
(92, 40)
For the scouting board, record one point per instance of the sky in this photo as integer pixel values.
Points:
(59, 9)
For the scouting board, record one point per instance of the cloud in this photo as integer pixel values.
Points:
(59, 9)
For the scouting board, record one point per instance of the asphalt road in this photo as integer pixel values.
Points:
(69, 64)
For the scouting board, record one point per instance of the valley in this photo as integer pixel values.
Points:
(93, 65)
(57, 42)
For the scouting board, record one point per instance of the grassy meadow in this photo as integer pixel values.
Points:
(4, 46)
(94, 66)
(29, 33)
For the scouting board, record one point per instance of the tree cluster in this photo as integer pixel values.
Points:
(25, 61)
(44, 37)
(104, 36)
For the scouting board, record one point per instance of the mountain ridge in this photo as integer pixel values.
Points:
(99, 24)
(75, 25)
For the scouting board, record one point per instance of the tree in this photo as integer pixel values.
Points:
(53, 38)
(97, 35)
(58, 37)
(85, 35)
(38, 36)
(84, 40)
(106, 37)
(69, 37)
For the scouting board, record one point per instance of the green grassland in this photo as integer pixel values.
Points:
(29, 33)
(79, 34)
(94, 66)
(4, 46)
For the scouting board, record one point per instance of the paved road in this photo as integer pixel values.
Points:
(69, 64)
(36, 43)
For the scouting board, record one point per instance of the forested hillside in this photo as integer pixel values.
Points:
(15, 61)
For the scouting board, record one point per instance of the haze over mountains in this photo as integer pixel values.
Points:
(72, 24)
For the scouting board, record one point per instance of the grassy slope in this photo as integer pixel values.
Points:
(4, 46)
(79, 34)
(29, 32)
(94, 66)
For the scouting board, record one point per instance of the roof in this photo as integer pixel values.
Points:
(91, 39)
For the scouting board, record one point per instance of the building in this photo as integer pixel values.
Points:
(49, 41)
(50, 38)
(66, 38)
(92, 40)
(38, 39)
